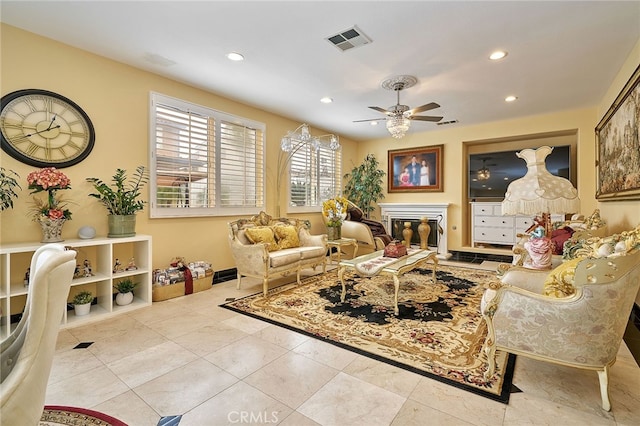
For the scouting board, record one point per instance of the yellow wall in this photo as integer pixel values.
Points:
(116, 97)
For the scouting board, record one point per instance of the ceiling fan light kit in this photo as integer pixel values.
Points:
(398, 126)
(399, 116)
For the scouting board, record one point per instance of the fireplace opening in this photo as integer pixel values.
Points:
(397, 225)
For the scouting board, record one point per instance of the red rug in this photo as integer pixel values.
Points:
(54, 415)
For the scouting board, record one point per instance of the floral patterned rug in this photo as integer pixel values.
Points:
(56, 415)
(438, 333)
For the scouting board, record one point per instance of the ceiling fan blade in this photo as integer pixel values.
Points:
(382, 110)
(371, 119)
(423, 108)
(425, 118)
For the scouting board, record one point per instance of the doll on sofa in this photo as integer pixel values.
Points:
(540, 249)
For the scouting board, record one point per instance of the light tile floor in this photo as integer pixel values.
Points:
(187, 356)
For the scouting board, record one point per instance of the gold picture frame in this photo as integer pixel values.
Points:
(415, 169)
(617, 153)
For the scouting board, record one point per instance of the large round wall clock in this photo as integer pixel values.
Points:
(44, 129)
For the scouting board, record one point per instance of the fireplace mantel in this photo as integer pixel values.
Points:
(438, 212)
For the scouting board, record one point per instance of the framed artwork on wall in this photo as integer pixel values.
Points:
(415, 169)
(618, 146)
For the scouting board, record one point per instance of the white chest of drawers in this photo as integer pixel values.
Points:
(489, 226)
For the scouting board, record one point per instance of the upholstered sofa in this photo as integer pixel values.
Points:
(370, 234)
(263, 247)
(577, 228)
(574, 315)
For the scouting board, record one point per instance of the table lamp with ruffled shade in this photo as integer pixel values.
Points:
(539, 192)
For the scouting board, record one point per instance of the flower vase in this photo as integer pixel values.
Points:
(424, 230)
(407, 233)
(334, 232)
(51, 229)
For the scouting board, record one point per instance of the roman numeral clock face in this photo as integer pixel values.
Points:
(45, 129)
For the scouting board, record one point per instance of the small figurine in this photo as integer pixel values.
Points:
(26, 277)
(87, 268)
(540, 249)
(131, 266)
(117, 267)
(77, 273)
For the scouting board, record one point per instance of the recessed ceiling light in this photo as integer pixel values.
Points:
(498, 54)
(326, 100)
(374, 123)
(510, 98)
(234, 56)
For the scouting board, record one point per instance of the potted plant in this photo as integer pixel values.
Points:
(125, 291)
(364, 184)
(82, 302)
(122, 200)
(8, 185)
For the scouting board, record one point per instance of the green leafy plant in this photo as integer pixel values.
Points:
(365, 184)
(125, 286)
(122, 197)
(83, 298)
(8, 185)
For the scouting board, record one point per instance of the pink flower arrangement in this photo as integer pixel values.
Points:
(50, 180)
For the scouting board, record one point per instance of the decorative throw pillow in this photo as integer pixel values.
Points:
(287, 236)
(560, 282)
(262, 234)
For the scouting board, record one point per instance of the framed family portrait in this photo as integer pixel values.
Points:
(617, 149)
(415, 169)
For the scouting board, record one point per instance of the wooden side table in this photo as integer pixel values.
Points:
(342, 242)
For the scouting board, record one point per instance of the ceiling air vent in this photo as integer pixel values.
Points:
(444, 123)
(348, 39)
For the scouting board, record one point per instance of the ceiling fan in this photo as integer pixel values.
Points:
(398, 116)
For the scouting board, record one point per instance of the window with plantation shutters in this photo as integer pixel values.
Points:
(315, 177)
(204, 162)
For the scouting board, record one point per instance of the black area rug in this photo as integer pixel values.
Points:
(438, 333)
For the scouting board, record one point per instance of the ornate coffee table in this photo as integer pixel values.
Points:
(376, 264)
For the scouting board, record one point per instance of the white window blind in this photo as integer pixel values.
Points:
(315, 176)
(204, 162)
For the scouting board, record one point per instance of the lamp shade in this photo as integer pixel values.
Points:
(538, 191)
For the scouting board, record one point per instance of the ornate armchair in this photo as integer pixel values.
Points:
(371, 235)
(574, 315)
(26, 355)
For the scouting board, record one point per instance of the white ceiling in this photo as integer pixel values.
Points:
(562, 55)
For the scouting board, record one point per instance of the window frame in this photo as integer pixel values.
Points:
(217, 209)
(337, 178)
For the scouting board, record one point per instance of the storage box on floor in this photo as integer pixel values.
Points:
(169, 283)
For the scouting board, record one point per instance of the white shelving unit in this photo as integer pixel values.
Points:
(101, 253)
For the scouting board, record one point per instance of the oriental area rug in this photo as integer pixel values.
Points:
(55, 415)
(438, 333)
